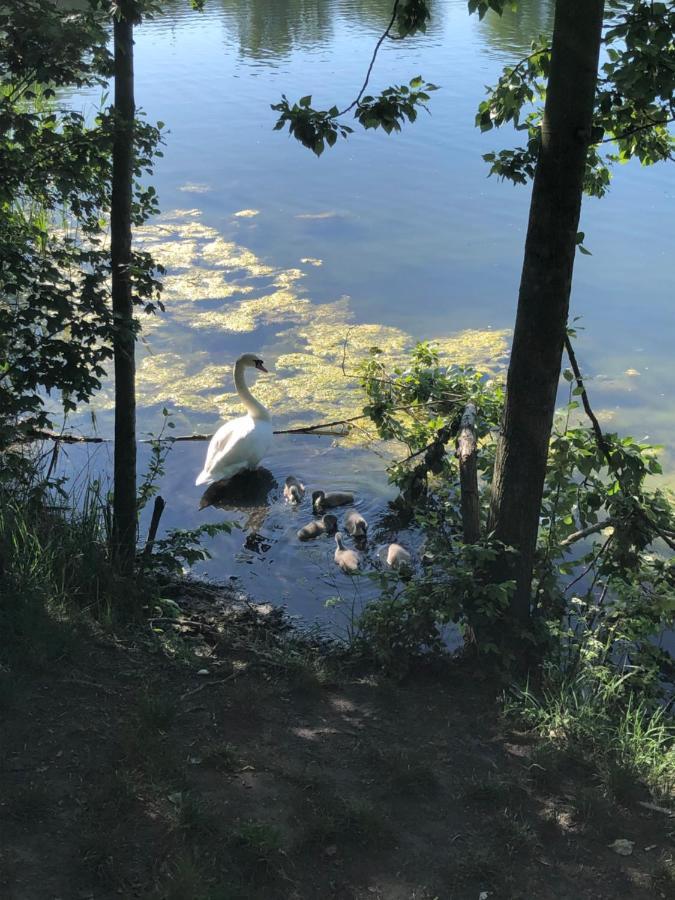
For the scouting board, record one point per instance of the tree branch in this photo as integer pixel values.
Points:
(308, 429)
(384, 35)
(526, 59)
(64, 438)
(604, 447)
(625, 134)
(599, 436)
(593, 562)
(592, 529)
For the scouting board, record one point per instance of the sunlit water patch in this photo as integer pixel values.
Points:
(222, 299)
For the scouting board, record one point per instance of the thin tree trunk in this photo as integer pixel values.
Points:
(546, 280)
(466, 453)
(124, 504)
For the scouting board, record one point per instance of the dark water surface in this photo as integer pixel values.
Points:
(383, 240)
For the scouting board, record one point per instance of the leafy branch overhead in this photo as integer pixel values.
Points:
(315, 128)
(634, 101)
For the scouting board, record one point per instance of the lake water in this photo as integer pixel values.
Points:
(383, 240)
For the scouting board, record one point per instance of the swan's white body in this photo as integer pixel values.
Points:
(243, 442)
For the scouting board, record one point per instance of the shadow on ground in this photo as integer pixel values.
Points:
(128, 774)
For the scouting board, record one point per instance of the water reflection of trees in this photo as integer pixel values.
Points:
(514, 30)
(275, 27)
(269, 28)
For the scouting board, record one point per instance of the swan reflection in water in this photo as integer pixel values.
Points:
(249, 491)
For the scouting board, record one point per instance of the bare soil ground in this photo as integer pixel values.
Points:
(127, 774)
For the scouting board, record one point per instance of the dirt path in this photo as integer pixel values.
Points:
(128, 775)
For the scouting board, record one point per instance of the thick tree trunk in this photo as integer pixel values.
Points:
(124, 504)
(546, 279)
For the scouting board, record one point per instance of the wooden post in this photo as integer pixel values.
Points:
(157, 511)
(466, 453)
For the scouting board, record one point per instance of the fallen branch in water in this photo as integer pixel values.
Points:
(67, 437)
(64, 437)
(320, 428)
(310, 429)
(182, 437)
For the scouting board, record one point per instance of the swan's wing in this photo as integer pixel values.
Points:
(226, 450)
(226, 443)
(239, 444)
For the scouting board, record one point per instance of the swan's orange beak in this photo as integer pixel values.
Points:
(259, 365)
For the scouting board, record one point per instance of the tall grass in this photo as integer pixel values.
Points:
(629, 741)
(55, 568)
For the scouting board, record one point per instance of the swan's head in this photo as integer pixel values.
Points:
(251, 361)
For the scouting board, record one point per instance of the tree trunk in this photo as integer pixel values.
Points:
(466, 453)
(543, 300)
(124, 504)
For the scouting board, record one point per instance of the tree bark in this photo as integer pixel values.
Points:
(543, 300)
(124, 503)
(466, 453)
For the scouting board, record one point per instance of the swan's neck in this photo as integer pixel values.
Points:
(254, 407)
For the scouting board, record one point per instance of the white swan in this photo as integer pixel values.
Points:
(241, 443)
